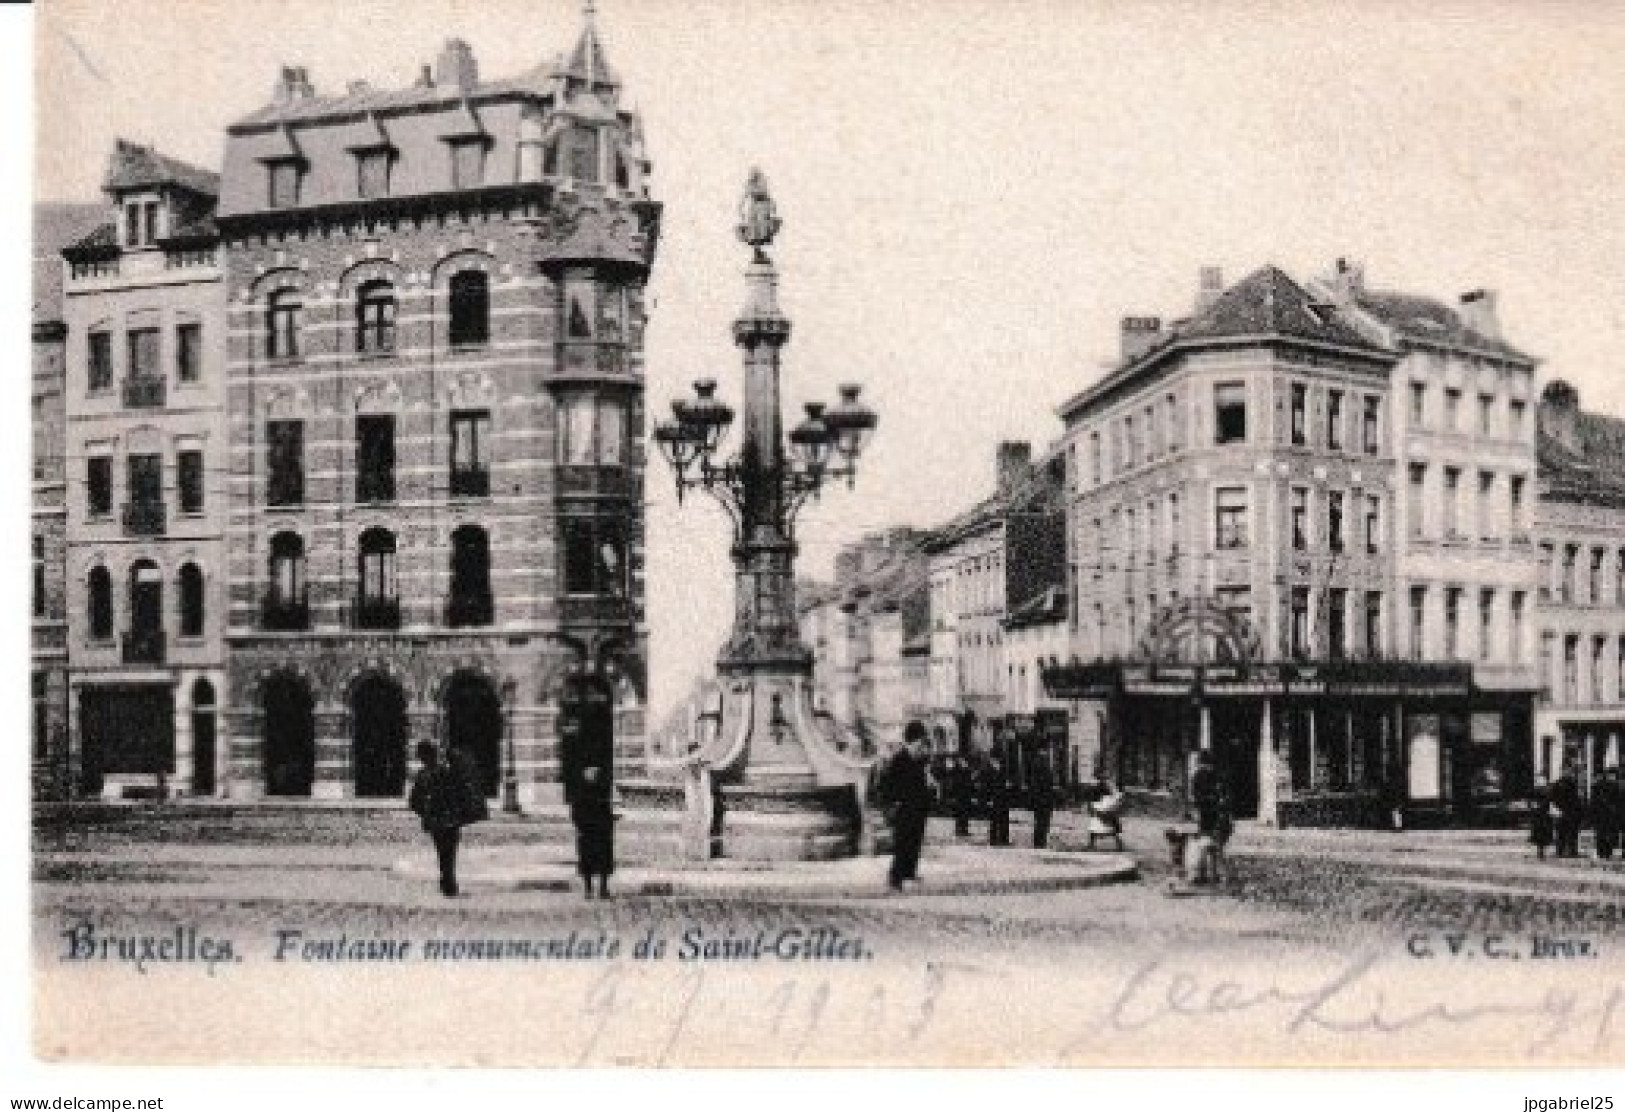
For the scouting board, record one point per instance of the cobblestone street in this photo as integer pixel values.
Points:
(1299, 907)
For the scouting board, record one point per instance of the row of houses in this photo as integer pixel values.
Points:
(340, 449)
(1338, 536)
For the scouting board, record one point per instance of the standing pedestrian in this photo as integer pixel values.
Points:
(1206, 795)
(1041, 789)
(996, 796)
(445, 801)
(1569, 814)
(1540, 819)
(906, 790)
(592, 810)
(961, 794)
(1605, 812)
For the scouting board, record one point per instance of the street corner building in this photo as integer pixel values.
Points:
(353, 438)
(1301, 532)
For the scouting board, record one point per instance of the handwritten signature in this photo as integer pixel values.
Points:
(1349, 1002)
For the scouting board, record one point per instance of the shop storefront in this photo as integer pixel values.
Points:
(1338, 743)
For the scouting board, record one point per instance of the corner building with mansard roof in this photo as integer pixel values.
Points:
(435, 299)
(1299, 539)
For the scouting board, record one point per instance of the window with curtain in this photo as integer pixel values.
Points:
(378, 581)
(287, 568)
(375, 318)
(282, 326)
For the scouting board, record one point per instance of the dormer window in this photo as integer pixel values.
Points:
(467, 162)
(140, 223)
(283, 180)
(372, 173)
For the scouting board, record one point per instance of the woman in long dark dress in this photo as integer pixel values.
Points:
(592, 809)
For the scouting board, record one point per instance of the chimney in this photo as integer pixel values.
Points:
(456, 66)
(1139, 335)
(1478, 313)
(425, 77)
(1348, 278)
(1559, 415)
(1015, 460)
(1209, 285)
(292, 85)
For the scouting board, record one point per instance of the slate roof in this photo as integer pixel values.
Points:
(56, 225)
(136, 167)
(1595, 474)
(1266, 303)
(1428, 320)
(1044, 608)
(537, 81)
(1038, 491)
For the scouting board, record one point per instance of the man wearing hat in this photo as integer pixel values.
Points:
(907, 795)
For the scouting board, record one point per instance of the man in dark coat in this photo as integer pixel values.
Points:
(445, 801)
(592, 810)
(996, 795)
(961, 794)
(906, 791)
(1570, 814)
(1207, 797)
(1605, 812)
(1041, 788)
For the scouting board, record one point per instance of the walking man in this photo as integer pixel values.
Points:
(1570, 814)
(996, 792)
(445, 801)
(1605, 812)
(1041, 785)
(592, 810)
(907, 792)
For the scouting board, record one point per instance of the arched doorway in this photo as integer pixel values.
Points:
(378, 738)
(203, 738)
(474, 728)
(290, 736)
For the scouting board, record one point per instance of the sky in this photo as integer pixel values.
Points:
(974, 192)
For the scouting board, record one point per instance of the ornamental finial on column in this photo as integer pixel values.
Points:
(758, 216)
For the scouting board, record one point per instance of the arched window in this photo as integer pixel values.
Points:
(378, 565)
(146, 597)
(470, 602)
(288, 566)
(378, 604)
(101, 603)
(202, 695)
(375, 317)
(282, 326)
(192, 602)
(470, 309)
(285, 606)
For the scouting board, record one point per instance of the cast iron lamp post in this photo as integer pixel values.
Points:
(764, 485)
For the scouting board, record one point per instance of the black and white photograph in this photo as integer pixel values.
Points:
(638, 533)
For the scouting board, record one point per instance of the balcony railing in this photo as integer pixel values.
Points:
(469, 610)
(470, 482)
(595, 608)
(142, 392)
(281, 615)
(145, 646)
(377, 613)
(591, 357)
(144, 519)
(595, 481)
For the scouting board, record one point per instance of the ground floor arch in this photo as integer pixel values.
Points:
(378, 737)
(474, 727)
(290, 736)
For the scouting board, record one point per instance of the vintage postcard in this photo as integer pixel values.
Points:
(655, 533)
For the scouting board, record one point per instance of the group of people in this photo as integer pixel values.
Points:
(1560, 812)
(445, 799)
(908, 790)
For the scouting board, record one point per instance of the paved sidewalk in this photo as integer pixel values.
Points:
(944, 870)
